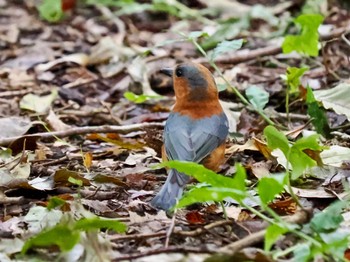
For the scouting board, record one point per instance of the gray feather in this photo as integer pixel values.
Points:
(188, 140)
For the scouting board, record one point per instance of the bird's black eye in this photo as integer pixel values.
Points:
(179, 72)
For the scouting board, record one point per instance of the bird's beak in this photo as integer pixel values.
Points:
(167, 71)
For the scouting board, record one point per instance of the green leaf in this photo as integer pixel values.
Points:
(139, 99)
(5, 154)
(75, 181)
(295, 154)
(293, 76)
(302, 253)
(307, 41)
(336, 242)
(204, 194)
(222, 187)
(269, 187)
(329, 219)
(205, 175)
(86, 224)
(273, 232)
(38, 104)
(55, 202)
(257, 96)
(276, 139)
(197, 34)
(61, 235)
(51, 10)
(299, 160)
(221, 87)
(226, 30)
(336, 98)
(318, 115)
(224, 47)
(133, 8)
(110, 2)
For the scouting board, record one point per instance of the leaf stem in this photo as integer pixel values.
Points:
(234, 89)
(224, 210)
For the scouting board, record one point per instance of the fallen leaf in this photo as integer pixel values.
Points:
(312, 193)
(38, 104)
(335, 155)
(109, 179)
(42, 183)
(14, 126)
(79, 58)
(195, 218)
(336, 98)
(140, 193)
(261, 169)
(55, 123)
(87, 157)
(61, 178)
(249, 145)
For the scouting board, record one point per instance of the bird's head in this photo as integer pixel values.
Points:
(192, 82)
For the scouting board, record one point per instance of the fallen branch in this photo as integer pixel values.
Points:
(172, 249)
(248, 54)
(85, 130)
(299, 217)
(192, 233)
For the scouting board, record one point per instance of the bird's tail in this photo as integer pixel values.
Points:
(171, 190)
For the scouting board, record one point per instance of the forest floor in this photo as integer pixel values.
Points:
(83, 105)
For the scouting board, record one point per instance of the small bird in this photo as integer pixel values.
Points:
(195, 131)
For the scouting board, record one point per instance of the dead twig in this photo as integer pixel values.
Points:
(137, 236)
(85, 130)
(247, 54)
(204, 229)
(172, 249)
(192, 233)
(170, 230)
(4, 200)
(299, 217)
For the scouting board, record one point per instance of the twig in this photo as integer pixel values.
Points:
(299, 217)
(16, 92)
(345, 39)
(192, 233)
(137, 236)
(85, 193)
(342, 136)
(12, 200)
(204, 229)
(172, 249)
(246, 55)
(116, 20)
(85, 130)
(294, 116)
(51, 162)
(170, 230)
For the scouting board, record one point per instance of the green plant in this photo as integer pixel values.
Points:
(319, 237)
(67, 232)
(220, 49)
(292, 79)
(139, 99)
(317, 114)
(307, 41)
(51, 10)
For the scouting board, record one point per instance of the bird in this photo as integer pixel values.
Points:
(196, 129)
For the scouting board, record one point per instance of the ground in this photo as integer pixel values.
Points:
(83, 105)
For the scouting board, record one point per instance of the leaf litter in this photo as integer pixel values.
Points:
(75, 72)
